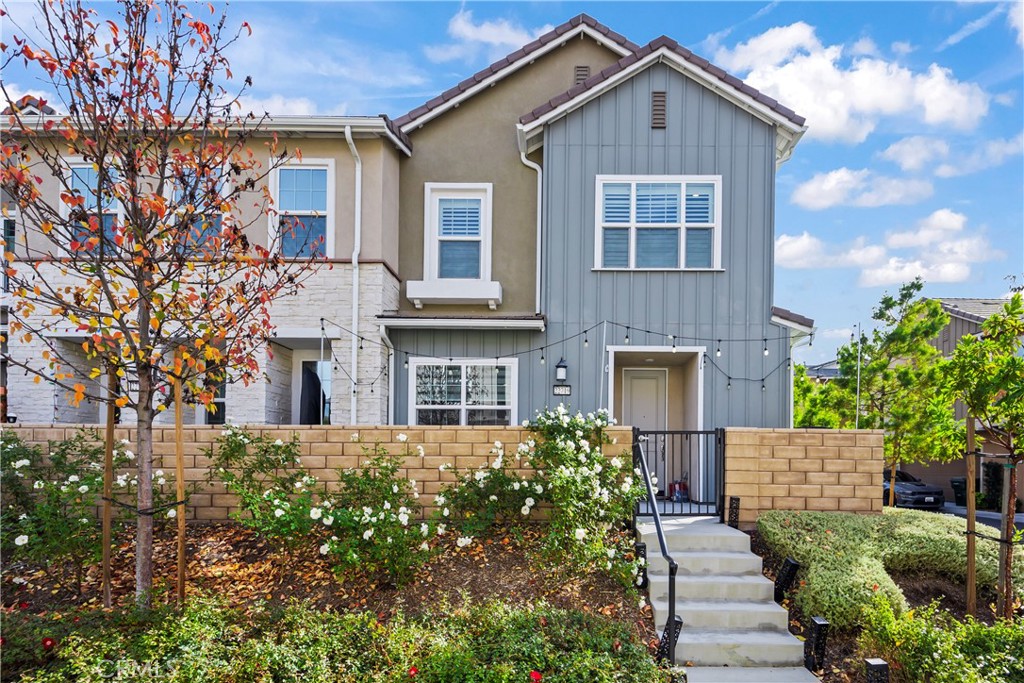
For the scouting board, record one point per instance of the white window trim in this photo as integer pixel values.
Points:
(274, 219)
(716, 257)
(72, 163)
(226, 190)
(433, 289)
(513, 384)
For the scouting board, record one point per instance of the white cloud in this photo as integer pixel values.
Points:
(930, 230)
(847, 187)
(497, 37)
(915, 152)
(1015, 18)
(991, 154)
(864, 46)
(807, 251)
(1007, 98)
(970, 28)
(279, 105)
(941, 248)
(15, 92)
(902, 47)
(843, 99)
(836, 333)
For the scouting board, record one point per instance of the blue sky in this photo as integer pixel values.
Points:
(913, 160)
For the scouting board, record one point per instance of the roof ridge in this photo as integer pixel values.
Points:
(659, 43)
(511, 58)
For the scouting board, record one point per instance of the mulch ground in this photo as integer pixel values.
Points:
(235, 564)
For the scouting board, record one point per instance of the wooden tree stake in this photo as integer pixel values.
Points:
(972, 572)
(108, 482)
(179, 461)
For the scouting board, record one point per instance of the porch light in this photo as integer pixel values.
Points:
(766, 347)
(561, 370)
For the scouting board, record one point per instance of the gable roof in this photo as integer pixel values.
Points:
(973, 310)
(790, 125)
(580, 24)
(29, 104)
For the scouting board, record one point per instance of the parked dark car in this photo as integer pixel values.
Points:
(911, 492)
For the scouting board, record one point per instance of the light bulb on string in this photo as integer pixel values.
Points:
(766, 347)
(763, 388)
(672, 339)
(406, 363)
(542, 357)
(360, 343)
(728, 383)
(586, 340)
(627, 334)
(718, 349)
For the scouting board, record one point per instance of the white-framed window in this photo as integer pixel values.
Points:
(83, 179)
(463, 391)
(215, 413)
(303, 193)
(658, 223)
(10, 220)
(207, 221)
(458, 231)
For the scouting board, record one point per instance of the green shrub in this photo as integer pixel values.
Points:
(846, 558)
(207, 643)
(929, 645)
(49, 504)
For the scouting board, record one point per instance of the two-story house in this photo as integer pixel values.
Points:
(586, 221)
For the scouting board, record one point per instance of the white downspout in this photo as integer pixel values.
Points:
(357, 244)
(540, 213)
(807, 338)
(391, 373)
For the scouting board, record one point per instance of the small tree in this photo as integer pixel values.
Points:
(142, 250)
(987, 374)
(897, 366)
(820, 404)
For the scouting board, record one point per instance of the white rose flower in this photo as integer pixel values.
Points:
(394, 488)
(21, 463)
(492, 498)
(83, 489)
(315, 513)
(444, 512)
(403, 518)
(73, 478)
(463, 541)
(611, 552)
(526, 423)
(38, 485)
(367, 534)
(129, 455)
(424, 529)
(325, 548)
(581, 534)
(278, 512)
(539, 489)
(278, 442)
(328, 520)
(419, 449)
(441, 528)
(402, 438)
(355, 436)
(440, 500)
(172, 513)
(21, 540)
(530, 502)
(525, 511)
(387, 505)
(515, 485)
(616, 463)
(161, 481)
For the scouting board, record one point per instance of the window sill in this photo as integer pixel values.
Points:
(658, 270)
(421, 292)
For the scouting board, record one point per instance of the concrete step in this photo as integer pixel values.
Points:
(732, 674)
(708, 587)
(730, 647)
(693, 533)
(759, 616)
(707, 562)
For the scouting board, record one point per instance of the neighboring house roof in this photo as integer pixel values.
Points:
(790, 319)
(826, 370)
(29, 105)
(790, 125)
(973, 310)
(513, 62)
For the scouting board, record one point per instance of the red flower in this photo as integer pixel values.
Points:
(535, 675)
(48, 643)
(413, 671)
(22, 605)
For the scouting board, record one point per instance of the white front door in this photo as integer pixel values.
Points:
(644, 398)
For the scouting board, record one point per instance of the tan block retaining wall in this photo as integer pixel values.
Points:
(803, 469)
(324, 449)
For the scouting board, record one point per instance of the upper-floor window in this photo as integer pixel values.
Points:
(10, 235)
(658, 222)
(459, 231)
(305, 206)
(205, 219)
(84, 181)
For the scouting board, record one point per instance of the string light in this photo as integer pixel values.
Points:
(718, 350)
(542, 357)
(766, 347)
(763, 388)
(406, 364)
(672, 339)
(728, 383)
(360, 343)
(586, 341)
(627, 335)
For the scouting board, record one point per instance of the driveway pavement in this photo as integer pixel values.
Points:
(992, 519)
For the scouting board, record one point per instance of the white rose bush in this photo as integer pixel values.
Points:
(49, 504)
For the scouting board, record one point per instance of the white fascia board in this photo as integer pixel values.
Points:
(582, 29)
(792, 325)
(537, 325)
(786, 129)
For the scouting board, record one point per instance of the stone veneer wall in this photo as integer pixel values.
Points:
(324, 449)
(803, 469)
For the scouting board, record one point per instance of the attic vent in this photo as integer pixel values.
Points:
(582, 73)
(658, 114)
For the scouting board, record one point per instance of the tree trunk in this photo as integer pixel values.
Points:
(1008, 531)
(144, 528)
(892, 485)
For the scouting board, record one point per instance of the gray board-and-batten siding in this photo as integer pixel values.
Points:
(611, 135)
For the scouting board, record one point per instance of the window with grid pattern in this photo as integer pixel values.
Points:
(462, 392)
(302, 204)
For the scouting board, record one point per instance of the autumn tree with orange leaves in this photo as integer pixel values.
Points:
(136, 258)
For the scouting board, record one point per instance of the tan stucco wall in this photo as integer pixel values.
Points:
(803, 469)
(380, 187)
(476, 143)
(324, 449)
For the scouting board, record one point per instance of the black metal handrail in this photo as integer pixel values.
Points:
(671, 631)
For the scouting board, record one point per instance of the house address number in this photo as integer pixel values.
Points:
(562, 389)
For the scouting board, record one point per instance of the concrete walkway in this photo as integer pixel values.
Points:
(993, 519)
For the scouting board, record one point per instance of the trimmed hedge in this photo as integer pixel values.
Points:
(846, 558)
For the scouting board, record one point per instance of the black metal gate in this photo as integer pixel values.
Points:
(688, 469)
